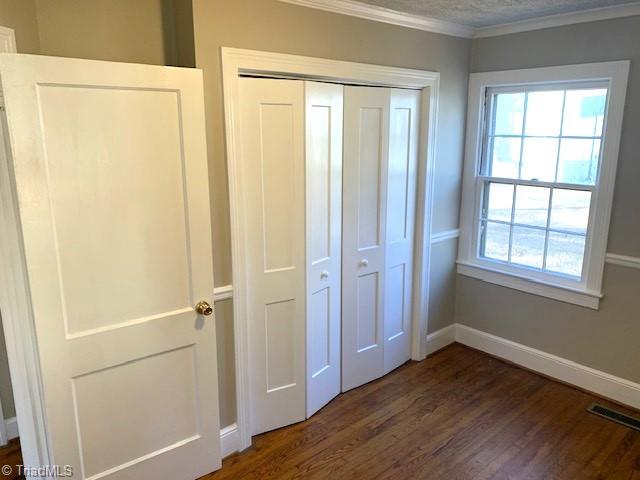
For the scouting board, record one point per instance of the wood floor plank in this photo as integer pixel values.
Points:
(10, 456)
(459, 414)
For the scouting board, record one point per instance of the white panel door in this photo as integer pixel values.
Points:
(401, 206)
(366, 127)
(323, 113)
(111, 178)
(272, 178)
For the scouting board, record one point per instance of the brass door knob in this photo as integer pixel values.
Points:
(203, 308)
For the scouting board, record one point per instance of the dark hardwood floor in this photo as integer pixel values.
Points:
(10, 455)
(460, 414)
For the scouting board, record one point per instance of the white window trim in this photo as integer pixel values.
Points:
(587, 291)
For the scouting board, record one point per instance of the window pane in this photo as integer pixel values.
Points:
(539, 158)
(495, 241)
(509, 113)
(499, 201)
(544, 113)
(541, 136)
(578, 161)
(565, 253)
(532, 205)
(584, 112)
(505, 157)
(570, 210)
(527, 246)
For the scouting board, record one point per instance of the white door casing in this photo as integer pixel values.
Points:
(109, 162)
(323, 127)
(272, 165)
(401, 211)
(366, 148)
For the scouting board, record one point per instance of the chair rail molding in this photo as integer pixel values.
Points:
(445, 235)
(623, 260)
(224, 292)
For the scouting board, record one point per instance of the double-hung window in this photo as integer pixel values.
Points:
(542, 148)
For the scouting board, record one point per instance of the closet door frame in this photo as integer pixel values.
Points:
(239, 62)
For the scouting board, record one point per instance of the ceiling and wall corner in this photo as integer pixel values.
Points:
(478, 18)
(488, 13)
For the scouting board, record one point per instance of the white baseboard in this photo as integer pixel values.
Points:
(590, 379)
(229, 440)
(441, 338)
(11, 424)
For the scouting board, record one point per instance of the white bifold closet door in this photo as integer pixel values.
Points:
(365, 173)
(293, 282)
(324, 113)
(400, 228)
(379, 190)
(272, 172)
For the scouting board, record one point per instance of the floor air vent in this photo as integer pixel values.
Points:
(614, 416)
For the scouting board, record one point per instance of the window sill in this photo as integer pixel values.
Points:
(584, 298)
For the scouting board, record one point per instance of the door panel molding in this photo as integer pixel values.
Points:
(238, 62)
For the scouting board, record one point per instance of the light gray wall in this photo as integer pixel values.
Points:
(226, 361)
(606, 339)
(442, 285)
(6, 395)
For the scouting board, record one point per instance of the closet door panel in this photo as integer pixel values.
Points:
(401, 205)
(324, 117)
(365, 167)
(272, 171)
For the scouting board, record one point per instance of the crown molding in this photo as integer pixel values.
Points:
(379, 14)
(428, 24)
(584, 16)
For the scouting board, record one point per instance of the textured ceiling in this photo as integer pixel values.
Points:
(482, 13)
